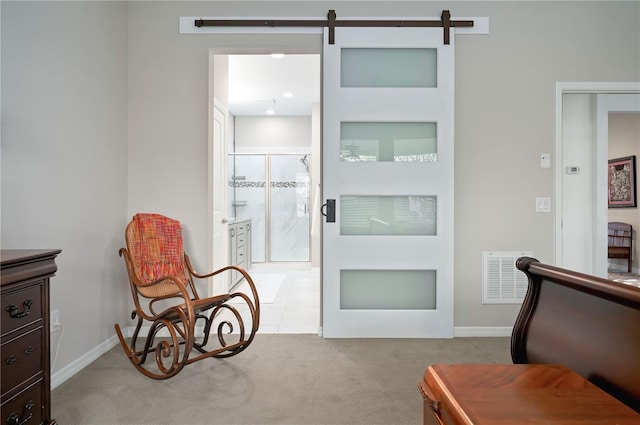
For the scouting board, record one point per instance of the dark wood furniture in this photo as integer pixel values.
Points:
(583, 328)
(26, 382)
(517, 394)
(586, 323)
(620, 242)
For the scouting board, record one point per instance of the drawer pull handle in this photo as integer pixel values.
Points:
(28, 350)
(11, 360)
(14, 419)
(13, 310)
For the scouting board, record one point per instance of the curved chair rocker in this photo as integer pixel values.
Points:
(166, 300)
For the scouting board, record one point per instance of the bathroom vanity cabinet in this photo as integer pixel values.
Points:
(239, 248)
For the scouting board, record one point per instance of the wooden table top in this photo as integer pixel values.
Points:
(520, 394)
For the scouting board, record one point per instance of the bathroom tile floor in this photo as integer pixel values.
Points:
(290, 297)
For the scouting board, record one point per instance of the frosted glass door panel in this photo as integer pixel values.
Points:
(289, 193)
(387, 289)
(388, 215)
(388, 141)
(381, 67)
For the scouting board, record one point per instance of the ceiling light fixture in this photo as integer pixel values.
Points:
(287, 94)
(271, 111)
(277, 55)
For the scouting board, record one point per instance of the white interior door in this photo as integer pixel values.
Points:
(220, 227)
(388, 167)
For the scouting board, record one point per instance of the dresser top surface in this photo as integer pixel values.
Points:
(18, 265)
(9, 257)
(504, 394)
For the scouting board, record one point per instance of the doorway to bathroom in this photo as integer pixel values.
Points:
(273, 192)
(271, 175)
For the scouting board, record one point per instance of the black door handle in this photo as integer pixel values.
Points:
(330, 212)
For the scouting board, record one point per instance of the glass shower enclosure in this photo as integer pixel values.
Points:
(272, 190)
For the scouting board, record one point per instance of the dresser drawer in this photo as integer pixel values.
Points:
(21, 358)
(21, 307)
(25, 408)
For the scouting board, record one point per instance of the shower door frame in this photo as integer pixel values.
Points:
(267, 199)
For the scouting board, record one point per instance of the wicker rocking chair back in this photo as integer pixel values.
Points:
(169, 310)
(155, 246)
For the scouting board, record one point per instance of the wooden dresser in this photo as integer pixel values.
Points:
(26, 380)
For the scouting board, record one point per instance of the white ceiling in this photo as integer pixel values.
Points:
(257, 83)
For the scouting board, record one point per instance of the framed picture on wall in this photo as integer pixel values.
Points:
(622, 182)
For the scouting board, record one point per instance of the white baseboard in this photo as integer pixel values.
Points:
(482, 331)
(77, 365)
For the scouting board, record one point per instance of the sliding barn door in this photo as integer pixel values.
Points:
(388, 183)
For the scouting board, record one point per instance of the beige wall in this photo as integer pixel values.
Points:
(64, 156)
(624, 140)
(107, 103)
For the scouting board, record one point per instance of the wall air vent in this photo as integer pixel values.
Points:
(502, 282)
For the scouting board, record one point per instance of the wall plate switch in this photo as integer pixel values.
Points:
(545, 160)
(543, 204)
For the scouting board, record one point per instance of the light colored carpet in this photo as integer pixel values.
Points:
(279, 379)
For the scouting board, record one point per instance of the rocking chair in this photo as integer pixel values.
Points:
(166, 300)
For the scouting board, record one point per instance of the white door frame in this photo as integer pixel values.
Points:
(599, 207)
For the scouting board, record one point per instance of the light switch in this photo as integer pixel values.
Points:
(543, 204)
(545, 160)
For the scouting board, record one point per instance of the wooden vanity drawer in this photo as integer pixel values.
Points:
(21, 307)
(21, 358)
(26, 407)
